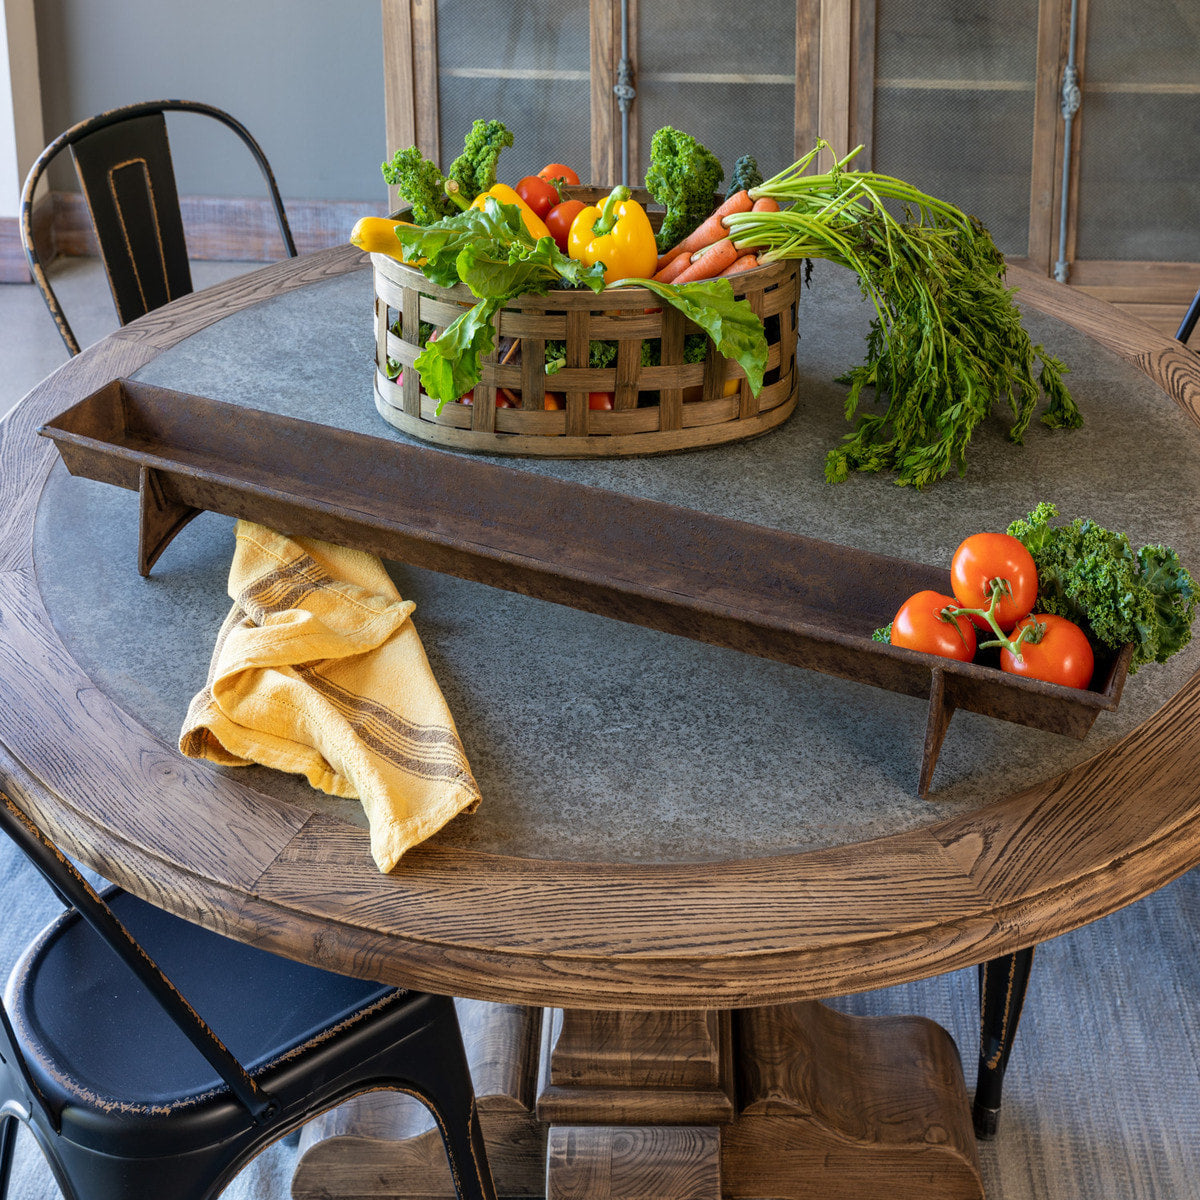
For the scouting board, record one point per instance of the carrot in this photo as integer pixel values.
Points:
(765, 204)
(709, 261)
(711, 229)
(679, 263)
(743, 263)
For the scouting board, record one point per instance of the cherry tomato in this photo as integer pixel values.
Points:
(558, 220)
(562, 173)
(540, 194)
(987, 556)
(1064, 655)
(920, 625)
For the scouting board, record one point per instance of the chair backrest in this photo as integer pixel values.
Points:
(123, 160)
(76, 892)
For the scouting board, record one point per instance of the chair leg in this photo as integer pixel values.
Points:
(8, 1142)
(439, 1071)
(1002, 986)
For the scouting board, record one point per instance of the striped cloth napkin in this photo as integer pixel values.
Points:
(318, 671)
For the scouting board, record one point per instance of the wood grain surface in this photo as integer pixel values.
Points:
(576, 935)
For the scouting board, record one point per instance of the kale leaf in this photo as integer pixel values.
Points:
(1093, 576)
(683, 177)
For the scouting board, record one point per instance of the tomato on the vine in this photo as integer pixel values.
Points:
(558, 220)
(1063, 655)
(540, 194)
(923, 624)
(984, 557)
(560, 172)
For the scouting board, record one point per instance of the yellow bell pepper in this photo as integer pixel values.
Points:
(505, 195)
(619, 235)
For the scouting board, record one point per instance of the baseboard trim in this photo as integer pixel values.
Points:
(218, 228)
(13, 267)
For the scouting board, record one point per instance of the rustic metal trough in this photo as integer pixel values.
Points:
(730, 583)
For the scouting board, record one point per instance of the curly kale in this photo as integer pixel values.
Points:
(420, 184)
(745, 175)
(600, 354)
(474, 170)
(604, 354)
(1093, 576)
(683, 177)
(695, 350)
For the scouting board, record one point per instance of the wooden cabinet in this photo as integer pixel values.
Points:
(975, 107)
(964, 98)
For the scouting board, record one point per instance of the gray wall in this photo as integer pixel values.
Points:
(305, 76)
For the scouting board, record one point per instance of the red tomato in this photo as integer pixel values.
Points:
(984, 557)
(560, 172)
(540, 194)
(558, 220)
(921, 625)
(600, 401)
(1064, 655)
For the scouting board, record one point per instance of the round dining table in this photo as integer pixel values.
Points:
(681, 849)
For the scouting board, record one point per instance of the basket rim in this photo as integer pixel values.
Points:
(781, 267)
(755, 279)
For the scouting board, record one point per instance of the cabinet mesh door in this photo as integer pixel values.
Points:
(525, 64)
(1139, 126)
(728, 78)
(954, 106)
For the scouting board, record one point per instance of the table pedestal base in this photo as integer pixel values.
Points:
(777, 1103)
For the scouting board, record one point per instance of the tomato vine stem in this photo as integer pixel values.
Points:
(1031, 633)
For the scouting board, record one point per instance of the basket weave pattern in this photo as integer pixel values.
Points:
(669, 406)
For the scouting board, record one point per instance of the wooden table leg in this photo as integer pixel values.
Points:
(634, 1102)
(787, 1103)
(844, 1107)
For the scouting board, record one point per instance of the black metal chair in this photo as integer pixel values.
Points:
(123, 160)
(1189, 320)
(131, 1094)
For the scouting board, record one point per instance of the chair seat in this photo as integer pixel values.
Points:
(72, 1001)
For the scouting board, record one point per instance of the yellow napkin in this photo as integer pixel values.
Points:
(318, 671)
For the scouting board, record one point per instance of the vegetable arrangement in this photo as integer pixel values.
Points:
(946, 345)
(1044, 592)
(504, 242)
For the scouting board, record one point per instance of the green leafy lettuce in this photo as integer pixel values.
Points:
(1094, 576)
(734, 327)
(491, 251)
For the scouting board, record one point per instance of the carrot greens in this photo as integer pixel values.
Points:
(946, 343)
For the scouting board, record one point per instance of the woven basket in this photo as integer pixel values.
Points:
(673, 405)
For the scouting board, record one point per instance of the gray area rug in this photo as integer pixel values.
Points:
(1102, 1096)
